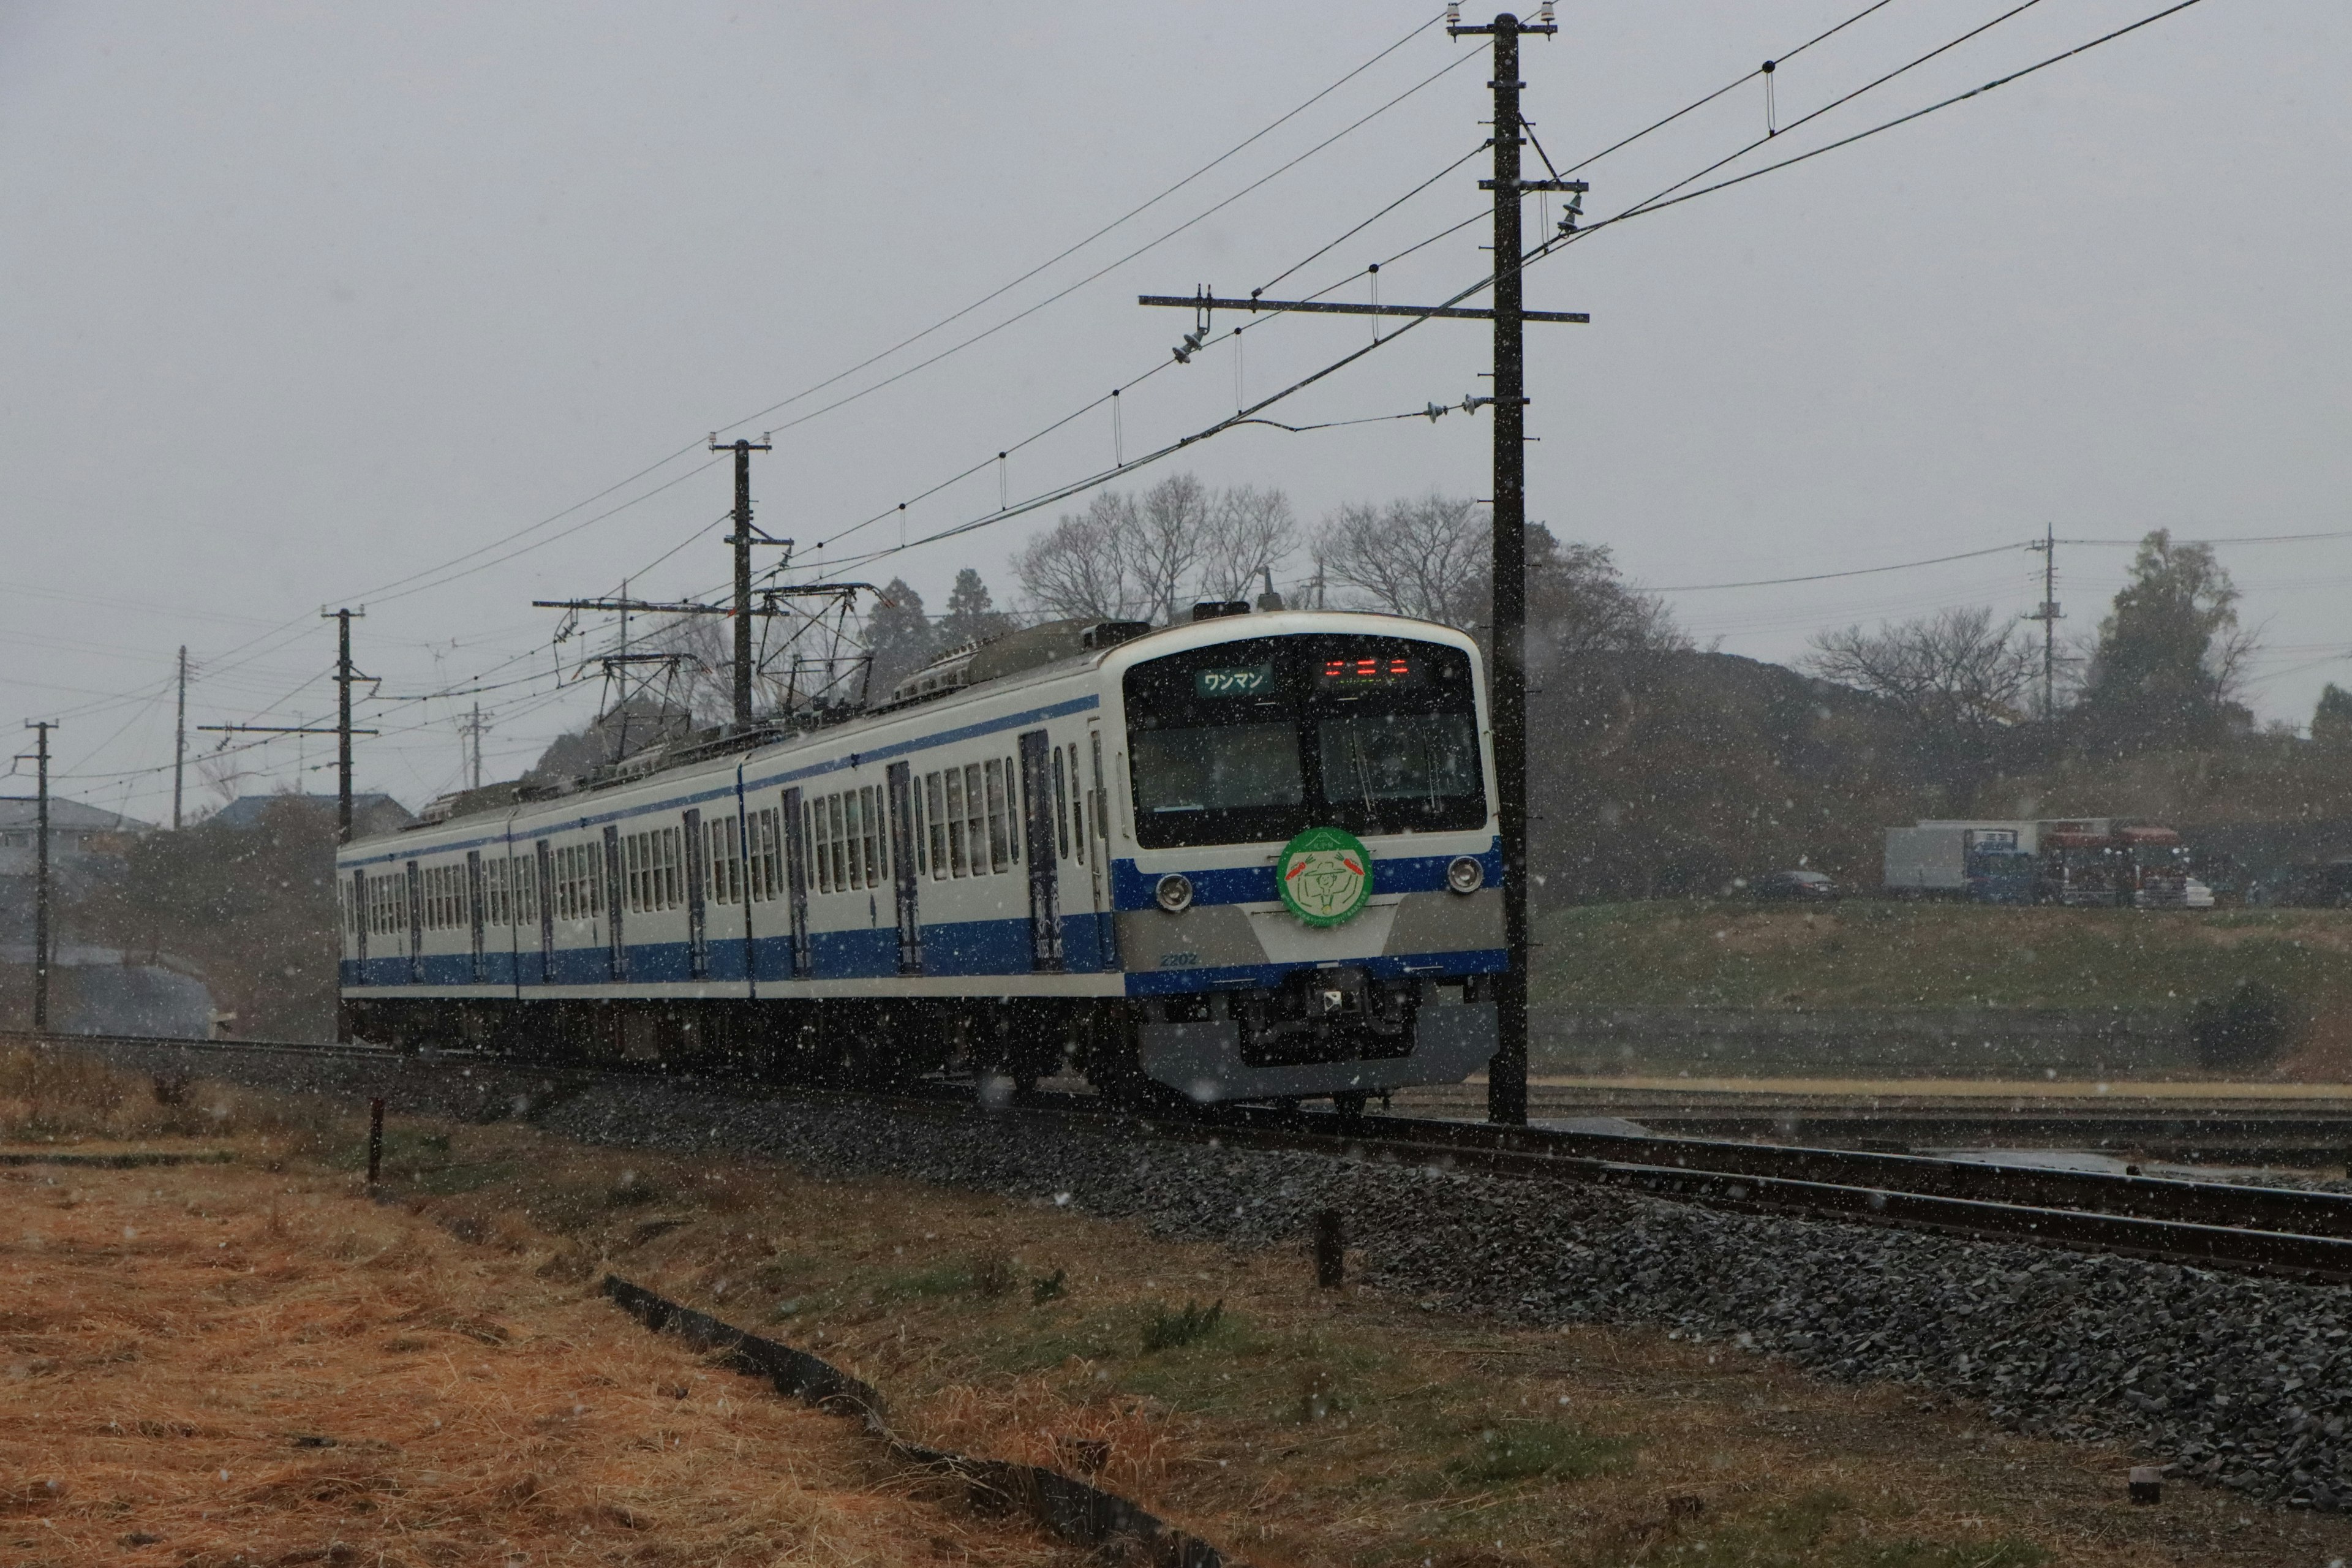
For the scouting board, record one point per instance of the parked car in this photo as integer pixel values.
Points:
(1794, 887)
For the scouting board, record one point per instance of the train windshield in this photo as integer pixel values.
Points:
(1252, 740)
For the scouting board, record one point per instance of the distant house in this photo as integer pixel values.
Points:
(76, 832)
(370, 813)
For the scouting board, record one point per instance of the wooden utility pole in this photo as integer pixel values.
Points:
(1507, 1075)
(41, 934)
(742, 540)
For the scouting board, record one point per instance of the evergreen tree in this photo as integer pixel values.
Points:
(971, 615)
(901, 636)
(2171, 654)
(2331, 722)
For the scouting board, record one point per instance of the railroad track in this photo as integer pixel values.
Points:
(2261, 1230)
(2280, 1132)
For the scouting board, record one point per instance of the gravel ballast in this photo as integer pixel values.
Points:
(2242, 1381)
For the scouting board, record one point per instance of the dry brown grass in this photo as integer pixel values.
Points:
(211, 1365)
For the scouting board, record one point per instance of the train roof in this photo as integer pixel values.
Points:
(1027, 657)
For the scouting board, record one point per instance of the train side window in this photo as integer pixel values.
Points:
(592, 879)
(993, 773)
(853, 828)
(845, 824)
(525, 878)
(958, 857)
(768, 872)
(914, 805)
(1016, 807)
(975, 820)
(872, 839)
(933, 789)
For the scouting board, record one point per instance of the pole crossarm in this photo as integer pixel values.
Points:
(639, 606)
(280, 730)
(1341, 307)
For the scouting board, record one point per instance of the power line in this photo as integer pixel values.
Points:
(1654, 204)
(1827, 577)
(1718, 92)
(1104, 270)
(1063, 255)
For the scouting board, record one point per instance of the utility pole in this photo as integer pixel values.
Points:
(742, 540)
(344, 676)
(1507, 1075)
(41, 943)
(342, 727)
(2048, 616)
(473, 734)
(180, 741)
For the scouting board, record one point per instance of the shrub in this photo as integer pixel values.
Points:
(2249, 1027)
(1172, 1329)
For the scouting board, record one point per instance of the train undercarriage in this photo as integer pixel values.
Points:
(1343, 1038)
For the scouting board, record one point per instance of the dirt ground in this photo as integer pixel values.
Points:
(1219, 1388)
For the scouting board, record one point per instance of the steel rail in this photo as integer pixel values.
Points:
(2273, 1231)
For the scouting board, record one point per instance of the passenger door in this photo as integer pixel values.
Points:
(415, 925)
(898, 784)
(697, 919)
(474, 911)
(1099, 876)
(617, 956)
(796, 881)
(1045, 866)
(545, 898)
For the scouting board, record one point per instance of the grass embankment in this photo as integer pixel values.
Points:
(1866, 953)
(1218, 1387)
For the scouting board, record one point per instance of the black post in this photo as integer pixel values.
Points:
(180, 741)
(375, 1141)
(344, 676)
(1330, 1250)
(742, 540)
(1507, 1075)
(41, 879)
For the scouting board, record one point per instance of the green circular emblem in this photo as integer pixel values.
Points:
(1325, 876)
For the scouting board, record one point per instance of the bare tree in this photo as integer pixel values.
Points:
(1174, 518)
(1251, 531)
(1139, 557)
(1423, 558)
(1079, 569)
(1955, 676)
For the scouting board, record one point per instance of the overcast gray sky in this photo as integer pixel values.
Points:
(299, 300)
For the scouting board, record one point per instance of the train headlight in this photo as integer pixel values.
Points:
(1174, 893)
(1466, 874)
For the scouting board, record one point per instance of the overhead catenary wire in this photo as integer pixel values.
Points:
(1065, 253)
(1108, 267)
(1553, 244)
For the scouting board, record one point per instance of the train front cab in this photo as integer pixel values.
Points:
(1312, 905)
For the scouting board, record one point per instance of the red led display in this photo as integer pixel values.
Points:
(1361, 671)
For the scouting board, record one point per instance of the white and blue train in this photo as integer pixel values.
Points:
(1253, 856)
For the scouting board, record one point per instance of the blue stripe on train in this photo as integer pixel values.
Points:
(1134, 889)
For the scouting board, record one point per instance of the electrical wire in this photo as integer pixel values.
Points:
(1827, 577)
(1718, 92)
(1061, 294)
(1655, 205)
